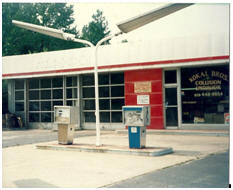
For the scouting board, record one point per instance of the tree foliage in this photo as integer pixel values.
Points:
(96, 29)
(19, 41)
(16, 41)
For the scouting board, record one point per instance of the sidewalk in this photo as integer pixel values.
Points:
(27, 166)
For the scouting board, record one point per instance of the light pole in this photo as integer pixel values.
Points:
(97, 89)
(125, 27)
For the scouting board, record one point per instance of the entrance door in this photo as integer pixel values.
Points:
(171, 108)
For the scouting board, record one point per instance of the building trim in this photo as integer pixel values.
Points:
(144, 65)
(165, 62)
(48, 72)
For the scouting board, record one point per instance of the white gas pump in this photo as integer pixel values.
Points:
(66, 117)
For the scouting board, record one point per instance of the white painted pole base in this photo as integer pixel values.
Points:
(98, 135)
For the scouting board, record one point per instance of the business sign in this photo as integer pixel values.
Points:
(142, 87)
(208, 83)
(143, 99)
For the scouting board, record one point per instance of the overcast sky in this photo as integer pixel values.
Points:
(201, 18)
(205, 18)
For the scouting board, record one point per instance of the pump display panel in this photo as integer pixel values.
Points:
(136, 115)
(66, 114)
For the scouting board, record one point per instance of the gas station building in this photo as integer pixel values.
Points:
(184, 80)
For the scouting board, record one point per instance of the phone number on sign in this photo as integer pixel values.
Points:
(208, 94)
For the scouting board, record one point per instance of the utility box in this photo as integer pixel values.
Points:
(66, 117)
(136, 118)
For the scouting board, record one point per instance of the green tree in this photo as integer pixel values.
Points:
(96, 29)
(19, 41)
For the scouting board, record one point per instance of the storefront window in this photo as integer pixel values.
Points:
(170, 77)
(111, 97)
(42, 93)
(72, 91)
(34, 84)
(19, 84)
(205, 94)
(19, 96)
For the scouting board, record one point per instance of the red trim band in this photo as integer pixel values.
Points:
(48, 72)
(120, 66)
(166, 62)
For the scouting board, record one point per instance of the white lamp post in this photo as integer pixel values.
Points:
(125, 27)
(50, 32)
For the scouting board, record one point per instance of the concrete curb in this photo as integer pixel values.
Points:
(148, 151)
(180, 132)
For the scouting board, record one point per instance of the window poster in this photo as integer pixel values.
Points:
(205, 94)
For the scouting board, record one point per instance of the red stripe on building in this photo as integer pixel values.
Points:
(48, 72)
(120, 66)
(165, 62)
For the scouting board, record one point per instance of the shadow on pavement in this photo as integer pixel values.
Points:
(33, 183)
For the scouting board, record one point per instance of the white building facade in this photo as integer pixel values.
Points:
(184, 80)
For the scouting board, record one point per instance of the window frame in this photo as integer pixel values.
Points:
(109, 98)
(53, 101)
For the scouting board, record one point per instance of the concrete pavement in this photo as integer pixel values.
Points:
(27, 166)
(32, 136)
(209, 172)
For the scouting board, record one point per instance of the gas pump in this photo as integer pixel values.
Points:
(66, 117)
(136, 118)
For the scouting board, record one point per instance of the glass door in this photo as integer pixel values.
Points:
(171, 108)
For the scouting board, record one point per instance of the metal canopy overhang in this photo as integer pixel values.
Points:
(155, 14)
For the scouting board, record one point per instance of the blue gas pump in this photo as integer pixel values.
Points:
(136, 118)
